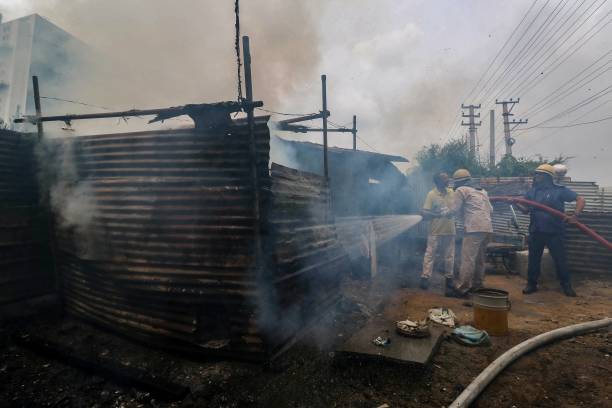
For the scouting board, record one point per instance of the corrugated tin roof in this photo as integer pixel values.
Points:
(342, 151)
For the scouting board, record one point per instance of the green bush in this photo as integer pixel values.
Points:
(455, 154)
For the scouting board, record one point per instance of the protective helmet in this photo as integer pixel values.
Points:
(461, 175)
(546, 169)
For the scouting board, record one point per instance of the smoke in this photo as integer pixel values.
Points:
(71, 199)
(155, 53)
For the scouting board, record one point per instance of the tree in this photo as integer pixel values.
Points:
(455, 154)
(449, 157)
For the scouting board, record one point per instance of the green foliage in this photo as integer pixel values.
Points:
(455, 155)
(449, 157)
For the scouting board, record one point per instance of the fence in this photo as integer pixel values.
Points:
(25, 265)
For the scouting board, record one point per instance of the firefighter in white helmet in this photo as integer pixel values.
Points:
(471, 203)
(546, 230)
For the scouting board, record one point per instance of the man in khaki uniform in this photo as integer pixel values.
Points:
(441, 239)
(472, 204)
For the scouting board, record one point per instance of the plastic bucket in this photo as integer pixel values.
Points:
(491, 307)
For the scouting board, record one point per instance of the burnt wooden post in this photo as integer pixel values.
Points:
(248, 83)
(39, 124)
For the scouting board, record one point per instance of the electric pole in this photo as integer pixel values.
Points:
(354, 132)
(491, 139)
(472, 125)
(506, 114)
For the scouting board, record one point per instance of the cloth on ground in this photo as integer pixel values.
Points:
(470, 336)
(443, 316)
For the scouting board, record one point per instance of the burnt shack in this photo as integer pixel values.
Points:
(362, 183)
(162, 236)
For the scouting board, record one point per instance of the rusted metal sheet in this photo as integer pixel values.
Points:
(168, 254)
(24, 261)
(306, 259)
(585, 255)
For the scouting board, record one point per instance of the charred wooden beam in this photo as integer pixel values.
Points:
(205, 115)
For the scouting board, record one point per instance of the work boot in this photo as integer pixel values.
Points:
(567, 289)
(424, 283)
(530, 288)
(456, 293)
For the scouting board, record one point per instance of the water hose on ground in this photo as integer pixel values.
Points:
(588, 231)
(484, 378)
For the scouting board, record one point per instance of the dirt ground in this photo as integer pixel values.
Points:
(571, 373)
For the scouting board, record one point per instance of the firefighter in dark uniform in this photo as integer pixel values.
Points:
(548, 230)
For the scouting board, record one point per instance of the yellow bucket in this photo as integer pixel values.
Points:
(491, 307)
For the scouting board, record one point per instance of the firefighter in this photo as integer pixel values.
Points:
(471, 203)
(441, 239)
(547, 230)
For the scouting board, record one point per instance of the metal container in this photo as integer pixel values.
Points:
(491, 307)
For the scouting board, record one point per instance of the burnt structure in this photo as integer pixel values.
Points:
(162, 245)
(362, 183)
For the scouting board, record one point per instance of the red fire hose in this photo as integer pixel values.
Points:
(556, 213)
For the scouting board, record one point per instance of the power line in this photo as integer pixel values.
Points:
(566, 83)
(337, 125)
(575, 121)
(500, 50)
(366, 143)
(528, 84)
(533, 39)
(520, 68)
(575, 124)
(545, 57)
(510, 52)
(285, 113)
(454, 123)
(76, 102)
(563, 38)
(573, 108)
(568, 92)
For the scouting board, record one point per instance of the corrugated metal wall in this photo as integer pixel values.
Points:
(25, 267)
(306, 258)
(168, 252)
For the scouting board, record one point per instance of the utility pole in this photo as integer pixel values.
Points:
(492, 139)
(354, 131)
(472, 125)
(324, 97)
(509, 140)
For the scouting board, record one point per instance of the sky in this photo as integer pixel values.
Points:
(403, 67)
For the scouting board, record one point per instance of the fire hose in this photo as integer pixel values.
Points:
(484, 378)
(588, 231)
